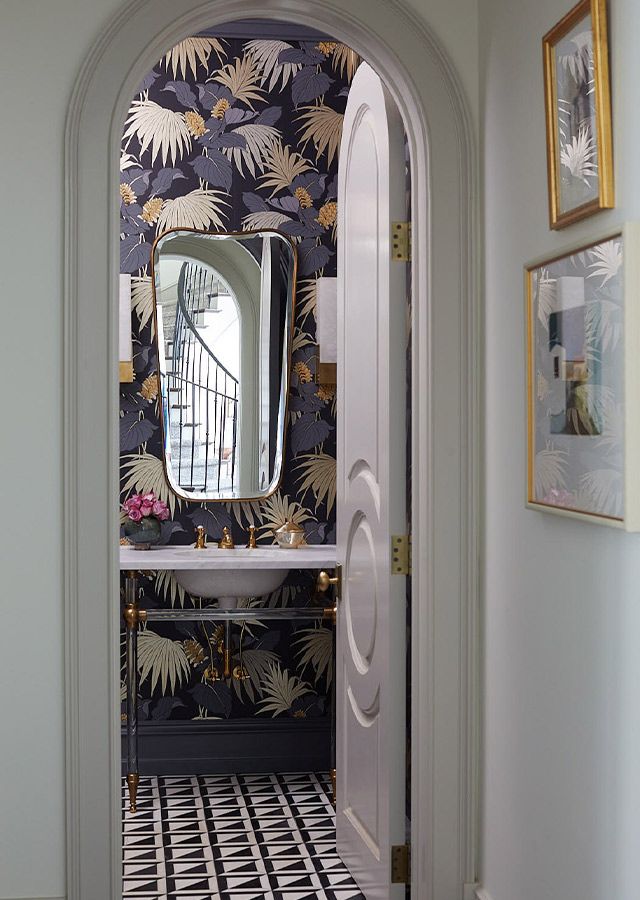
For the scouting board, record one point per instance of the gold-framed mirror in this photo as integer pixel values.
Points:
(224, 304)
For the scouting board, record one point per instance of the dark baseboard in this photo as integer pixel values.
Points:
(232, 746)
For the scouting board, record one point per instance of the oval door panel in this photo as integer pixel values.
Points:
(361, 593)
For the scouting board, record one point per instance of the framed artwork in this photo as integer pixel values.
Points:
(583, 448)
(578, 113)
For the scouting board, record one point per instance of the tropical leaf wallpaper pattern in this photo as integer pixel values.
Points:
(235, 135)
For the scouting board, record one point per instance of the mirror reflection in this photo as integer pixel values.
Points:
(224, 312)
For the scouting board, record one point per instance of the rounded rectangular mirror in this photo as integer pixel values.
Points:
(224, 308)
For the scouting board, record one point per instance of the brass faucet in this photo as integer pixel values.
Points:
(226, 542)
(201, 539)
(251, 544)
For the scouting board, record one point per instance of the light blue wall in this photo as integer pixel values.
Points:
(562, 605)
(42, 45)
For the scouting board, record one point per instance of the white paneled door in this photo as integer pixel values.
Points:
(372, 342)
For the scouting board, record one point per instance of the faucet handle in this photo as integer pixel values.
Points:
(226, 543)
(252, 544)
(201, 538)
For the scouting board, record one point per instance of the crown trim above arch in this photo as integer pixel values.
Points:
(445, 419)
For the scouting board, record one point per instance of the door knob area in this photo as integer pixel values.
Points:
(325, 581)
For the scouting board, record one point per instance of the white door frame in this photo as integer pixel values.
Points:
(445, 419)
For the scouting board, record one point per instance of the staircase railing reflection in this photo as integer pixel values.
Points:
(203, 395)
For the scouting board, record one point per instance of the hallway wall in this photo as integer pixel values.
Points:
(562, 670)
(43, 46)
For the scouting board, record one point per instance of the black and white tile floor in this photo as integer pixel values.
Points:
(233, 837)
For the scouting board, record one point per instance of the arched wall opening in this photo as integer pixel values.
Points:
(445, 409)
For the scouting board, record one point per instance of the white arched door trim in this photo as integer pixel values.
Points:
(445, 419)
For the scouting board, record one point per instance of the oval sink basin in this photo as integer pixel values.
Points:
(226, 575)
(229, 584)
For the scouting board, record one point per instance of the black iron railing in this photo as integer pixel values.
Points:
(202, 407)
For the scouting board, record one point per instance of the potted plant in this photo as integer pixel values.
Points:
(143, 515)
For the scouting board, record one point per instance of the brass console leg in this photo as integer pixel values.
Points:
(132, 616)
(132, 782)
(333, 787)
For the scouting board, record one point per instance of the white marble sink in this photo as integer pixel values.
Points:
(229, 574)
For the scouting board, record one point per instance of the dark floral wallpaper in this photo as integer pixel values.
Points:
(231, 135)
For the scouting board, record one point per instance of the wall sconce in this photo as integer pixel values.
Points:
(327, 329)
(125, 340)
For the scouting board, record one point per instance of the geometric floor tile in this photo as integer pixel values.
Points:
(233, 837)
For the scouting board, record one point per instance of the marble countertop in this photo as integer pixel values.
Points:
(316, 556)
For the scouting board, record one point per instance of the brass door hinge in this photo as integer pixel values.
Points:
(401, 241)
(401, 554)
(400, 864)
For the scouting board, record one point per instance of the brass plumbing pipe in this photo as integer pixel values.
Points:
(227, 650)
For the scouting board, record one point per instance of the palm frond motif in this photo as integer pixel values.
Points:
(321, 125)
(244, 511)
(542, 387)
(579, 62)
(242, 78)
(283, 164)
(319, 476)
(579, 155)
(144, 473)
(267, 219)
(167, 586)
(591, 404)
(550, 465)
(607, 260)
(190, 52)
(277, 509)
(316, 650)
(610, 439)
(282, 597)
(567, 122)
(301, 339)
(565, 115)
(128, 161)
(199, 209)
(345, 61)
(280, 690)
(546, 297)
(142, 300)
(251, 603)
(306, 299)
(260, 139)
(266, 55)
(256, 662)
(603, 327)
(164, 130)
(601, 491)
(162, 659)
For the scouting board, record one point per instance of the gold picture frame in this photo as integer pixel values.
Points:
(578, 115)
(583, 381)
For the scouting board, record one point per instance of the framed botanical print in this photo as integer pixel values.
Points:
(578, 113)
(583, 389)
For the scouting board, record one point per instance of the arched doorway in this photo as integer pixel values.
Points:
(444, 414)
